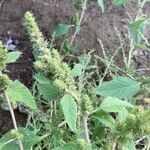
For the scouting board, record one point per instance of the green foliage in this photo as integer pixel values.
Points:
(46, 89)
(135, 125)
(84, 145)
(9, 142)
(3, 56)
(58, 72)
(13, 56)
(98, 133)
(106, 119)
(120, 2)
(49, 62)
(101, 4)
(113, 104)
(71, 114)
(77, 70)
(97, 117)
(69, 108)
(75, 20)
(4, 81)
(129, 145)
(38, 42)
(20, 93)
(79, 4)
(62, 29)
(87, 104)
(120, 87)
(69, 146)
(137, 27)
(122, 115)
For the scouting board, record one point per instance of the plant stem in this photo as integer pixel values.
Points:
(85, 120)
(114, 146)
(130, 54)
(13, 118)
(81, 18)
(61, 124)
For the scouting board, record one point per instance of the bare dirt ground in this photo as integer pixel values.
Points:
(49, 13)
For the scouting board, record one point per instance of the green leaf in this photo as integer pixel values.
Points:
(106, 119)
(40, 78)
(46, 89)
(122, 115)
(113, 104)
(62, 29)
(69, 108)
(36, 53)
(13, 56)
(120, 2)
(120, 87)
(98, 133)
(129, 145)
(136, 29)
(29, 139)
(140, 46)
(77, 70)
(69, 146)
(101, 4)
(78, 28)
(18, 92)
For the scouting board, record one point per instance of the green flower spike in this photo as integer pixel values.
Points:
(49, 61)
(3, 56)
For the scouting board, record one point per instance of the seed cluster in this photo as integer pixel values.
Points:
(49, 61)
(3, 56)
(136, 124)
(4, 79)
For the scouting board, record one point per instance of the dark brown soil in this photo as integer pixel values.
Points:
(49, 13)
(6, 122)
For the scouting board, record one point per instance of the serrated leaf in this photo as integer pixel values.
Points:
(62, 29)
(69, 108)
(77, 70)
(113, 104)
(106, 119)
(46, 89)
(13, 56)
(120, 2)
(120, 87)
(101, 5)
(29, 139)
(18, 92)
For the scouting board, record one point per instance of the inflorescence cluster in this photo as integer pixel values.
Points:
(4, 79)
(49, 61)
(137, 124)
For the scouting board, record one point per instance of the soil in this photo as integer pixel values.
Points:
(49, 13)
(6, 122)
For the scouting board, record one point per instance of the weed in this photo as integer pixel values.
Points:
(67, 109)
